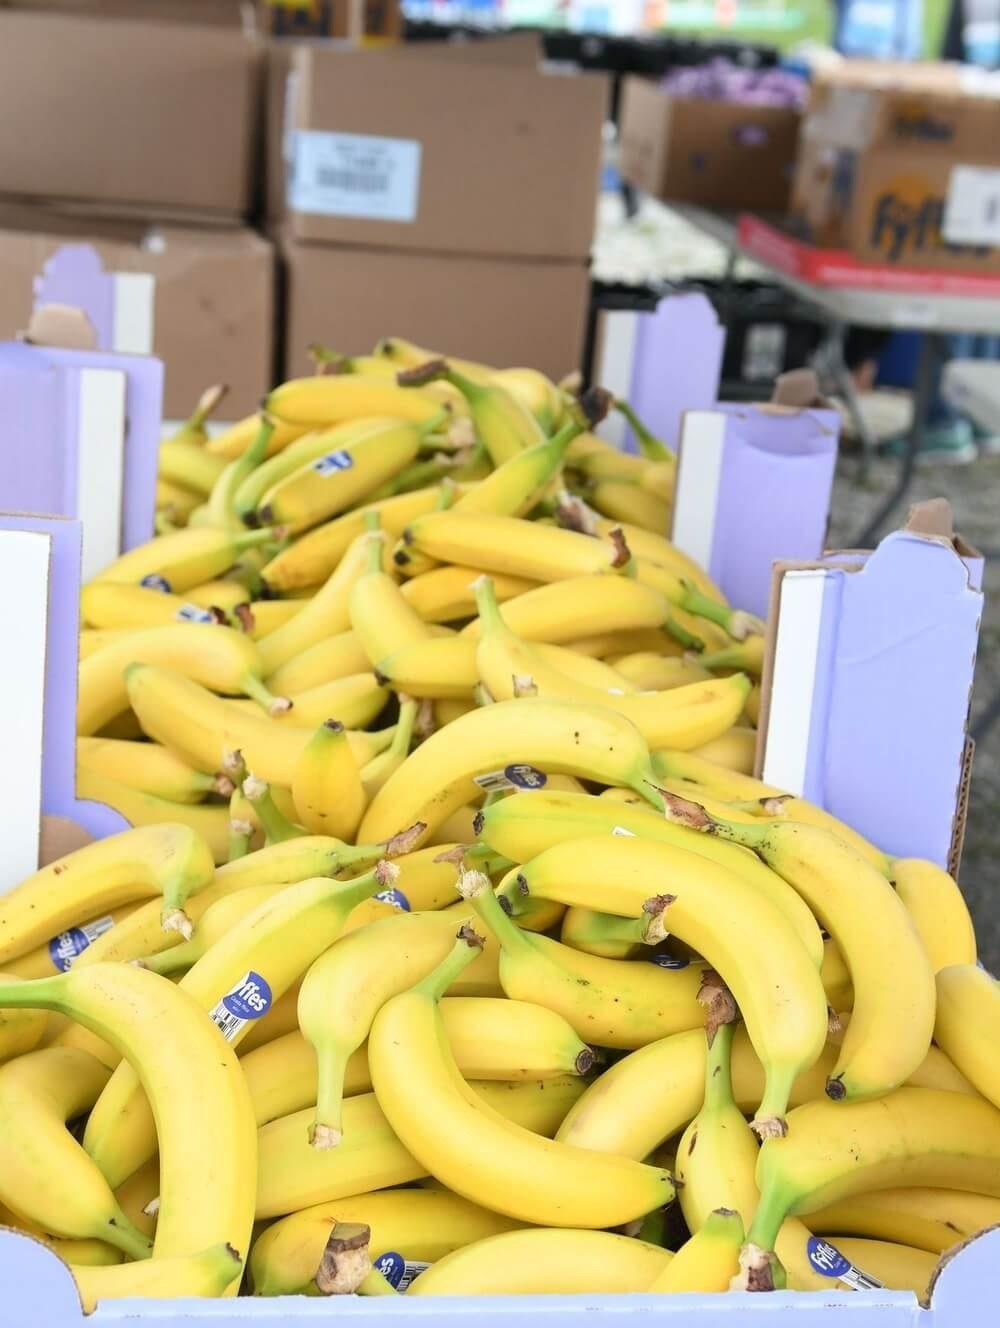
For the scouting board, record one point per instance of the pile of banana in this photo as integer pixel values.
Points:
(455, 949)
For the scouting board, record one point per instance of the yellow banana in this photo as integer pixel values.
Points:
(926, 1219)
(181, 461)
(313, 557)
(216, 657)
(293, 1175)
(630, 502)
(565, 738)
(267, 615)
(214, 925)
(326, 784)
(167, 860)
(382, 618)
(968, 1024)
(281, 1076)
(148, 768)
(506, 544)
(234, 441)
(58, 953)
(913, 1136)
(20, 1030)
(562, 611)
(505, 1039)
(607, 1001)
(603, 934)
(939, 912)
(658, 550)
(734, 750)
(893, 1017)
(205, 1274)
(380, 768)
(776, 985)
(355, 700)
(326, 614)
(545, 1261)
(445, 593)
(503, 425)
(475, 1152)
(417, 1225)
(350, 979)
(533, 389)
(709, 1260)
(332, 657)
(206, 1139)
(652, 672)
(175, 502)
(44, 1173)
(234, 982)
(327, 399)
(182, 559)
(113, 606)
(147, 811)
(885, 1264)
(402, 354)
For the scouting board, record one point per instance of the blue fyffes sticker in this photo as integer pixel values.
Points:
(828, 1261)
(525, 776)
(394, 897)
(193, 614)
(668, 961)
(397, 1271)
(250, 998)
(333, 463)
(69, 945)
(156, 582)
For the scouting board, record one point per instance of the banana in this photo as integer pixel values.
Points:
(473, 1151)
(20, 1030)
(293, 1175)
(193, 430)
(747, 656)
(182, 559)
(234, 983)
(326, 614)
(505, 1039)
(776, 984)
(148, 768)
(174, 502)
(329, 399)
(114, 607)
(629, 502)
(521, 828)
(709, 1260)
(355, 700)
(138, 1194)
(147, 811)
(214, 925)
(344, 474)
(608, 1002)
(234, 441)
(281, 1076)
(885, 1264)
(658, 550)
(506, 544)
(545, 1261)
(332, 657)
(565, 738)
(926, 1219)
(166, 859)
(216, 657)
(786, 807)
(682, 717)
(206, 1139)
(603, 934)
(350, 979)
(180, 461)
(721, 782)
(401, 354)
(735, 750)
(44, 1173)
(968, 1024)
(313, 557)
(418, 1225)
(380, 768)
(445, 593)
(326, 784)
(381, 617)
(912, 1136)
(205, 1274)
(503, 425)
(893, 1017)
(266, 616)
(939, 912)
(533, 389)
(652, 672)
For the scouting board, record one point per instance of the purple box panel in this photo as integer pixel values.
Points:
(899, 695)
(676, 365)
(75, 275)
(773, 499)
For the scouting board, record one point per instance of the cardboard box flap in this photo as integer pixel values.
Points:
(799, 388)
(60, 325)
(866, 689)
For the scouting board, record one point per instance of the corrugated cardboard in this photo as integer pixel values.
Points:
(508, 158)
(223, 13)
(214, 298)
(880, 145)
(120, 112)
(713, 153)
(500, 311)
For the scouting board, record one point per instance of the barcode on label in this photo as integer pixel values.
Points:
(355, 182)
(622, 832)
(92, 930)
(493, 782)
(229, 1025)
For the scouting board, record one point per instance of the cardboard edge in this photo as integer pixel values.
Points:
(961, 808)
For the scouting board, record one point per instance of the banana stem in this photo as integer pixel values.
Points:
(682, 636)
(327, 1129)
(769, 1122)
(468, 944)
(772, 1209)
(208, 404)
(375, 1284)
(178, 958)
(649, 446)
(253, 687)
(490, 617)
(718, 1070)
(127, 1238)
(433, 422)
(403, 736)
(478, 890)
(447, 493)
(276, 826)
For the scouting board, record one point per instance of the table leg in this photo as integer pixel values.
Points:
(835, 367)
(932, 351)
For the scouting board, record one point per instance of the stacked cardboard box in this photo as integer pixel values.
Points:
(113, 111)
(439, 196)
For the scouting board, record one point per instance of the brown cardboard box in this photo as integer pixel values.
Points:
(213, 301)
(159, 115)
(225, 13)
(887, 155)
(357, 20)
(500, 311)
(443, 155)
(714, 153)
